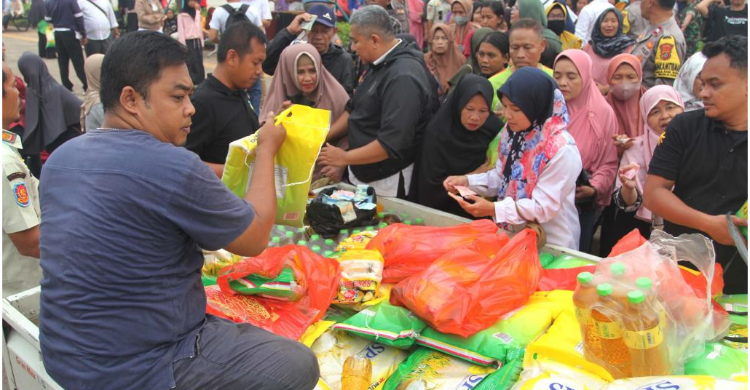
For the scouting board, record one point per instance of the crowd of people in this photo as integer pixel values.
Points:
(571, 117)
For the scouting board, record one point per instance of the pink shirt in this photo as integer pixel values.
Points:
(188, 28)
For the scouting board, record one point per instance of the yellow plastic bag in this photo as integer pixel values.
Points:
(361, 274)
(306, 130)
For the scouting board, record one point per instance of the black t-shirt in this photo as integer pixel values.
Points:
(723, 21)
(222, 115)
(708, 164)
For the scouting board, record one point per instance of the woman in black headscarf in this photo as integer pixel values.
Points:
(455, 142)
(52, 112)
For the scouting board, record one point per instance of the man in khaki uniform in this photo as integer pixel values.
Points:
(21, 213)
(661, 47)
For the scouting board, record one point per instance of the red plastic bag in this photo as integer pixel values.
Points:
(410, 249)
(627, 243)
(562, 279)
(319, 275)
(470, 288)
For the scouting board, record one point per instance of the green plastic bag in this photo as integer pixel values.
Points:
(500, 342)
(546, 259)
(736, 306)
(720, 361)
(427, 369)
(386, 324)
(568, 261)
(284, 286)
(505, 377)
(208, 280)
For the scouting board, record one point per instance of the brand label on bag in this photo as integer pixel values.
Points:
(644, 339)
(608, 330)
(280, 175)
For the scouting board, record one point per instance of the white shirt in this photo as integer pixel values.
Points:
(98, 25)
(552, 202)
(587, 18)
(219, 20)
(387, 187)
(261, 7)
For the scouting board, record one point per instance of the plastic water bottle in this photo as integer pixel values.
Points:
(328, 254)
(356, 231)
(287, 238)
(275, 242)
(302, 243)
(614, 353)
(317, 249)
(644, 337)
(370, 228)
(382, 226)
(418, 222)
(408, 222)
(357, 373)
(329, 245)
(316, 240)
(343, 234)
(584, 298)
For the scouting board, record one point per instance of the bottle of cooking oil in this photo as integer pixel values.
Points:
(357, 373)
(614, 352)
(644, 337)
(584, 298)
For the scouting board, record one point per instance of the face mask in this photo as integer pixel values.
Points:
(461, 20)
(625, 91)
(557, 26)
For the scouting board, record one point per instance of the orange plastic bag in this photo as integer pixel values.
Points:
(410, 249)
(470, 288)
(317, 274)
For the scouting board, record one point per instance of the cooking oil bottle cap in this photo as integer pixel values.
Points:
(604, 289)
(329, 241)
(617, 269)
(644, 283)
(636, 296)
(585, 277)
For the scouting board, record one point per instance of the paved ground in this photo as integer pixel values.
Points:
(16, 43)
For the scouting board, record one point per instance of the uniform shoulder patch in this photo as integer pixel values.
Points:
(16, 175)
(666, 60)
(9, 137)
(21, 194)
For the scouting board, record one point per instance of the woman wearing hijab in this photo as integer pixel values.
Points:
(557, 18)
(444, 59)
(416, 25)
(460, 14)
(624, 76)
(534, 178)
(170, 24)
(592, 124)
(53, 113)
(455, 142)
(607, 41)
(472, 63)
(190, 34)
(92, 112)
(301, 79)
(688, 84)
(657, 108)
(533, 9)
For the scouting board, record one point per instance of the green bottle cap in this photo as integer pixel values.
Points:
(382, 225)
(276, 240)
(300, 230)
(604, 289)
(344, 231)
(316, 249)
(585, 277)
(281, 227)
(315, 237)
(381, 215)
(328, 254)
(356, 231)
(407, 222)
(617, 269)
(302, 243)
(636, 296)
(419, 221)
(329, 241)
(289, 234)
(370, 228)
(644, 283)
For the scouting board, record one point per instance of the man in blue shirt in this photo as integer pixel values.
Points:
(126, 211)
(70, 34)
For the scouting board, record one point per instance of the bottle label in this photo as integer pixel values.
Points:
(608, 330)
(644, 339)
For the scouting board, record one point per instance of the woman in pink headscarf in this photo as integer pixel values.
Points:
(301, 79)
(592, 125)
(416, 29)
(657, 107)
(624, 77)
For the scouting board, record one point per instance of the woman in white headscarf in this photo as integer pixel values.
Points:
(688, 84)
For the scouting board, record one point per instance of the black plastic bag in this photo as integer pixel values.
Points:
(327, 220)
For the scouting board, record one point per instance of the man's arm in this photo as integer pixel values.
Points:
(281, 41)
(703, 6)
(213, 35)
(261, 193)
(582, 27)
(339, 128)
(368, 154)
(27, 241)
(78, 15)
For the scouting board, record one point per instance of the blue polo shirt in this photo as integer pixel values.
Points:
(124, 217)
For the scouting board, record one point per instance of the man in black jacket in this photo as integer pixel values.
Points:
(338, 62)
(389, 111)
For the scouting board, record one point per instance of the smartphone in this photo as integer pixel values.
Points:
(307, 26)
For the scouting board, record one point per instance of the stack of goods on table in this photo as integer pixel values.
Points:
(386, 302)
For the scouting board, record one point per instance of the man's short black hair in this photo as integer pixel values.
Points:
(238, 37)
(136, 60)
(527, 24)
(666, 4)
(734, 46)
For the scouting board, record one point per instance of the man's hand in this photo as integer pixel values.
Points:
(480, 208)
(333, 173)
(116, 32)
(270, 136)
(451, 182)
(584, 192)
(718, 229)
(295, 27)
(333, 156)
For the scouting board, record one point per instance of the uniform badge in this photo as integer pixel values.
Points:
(667, 61)
(9, 137)
(22, 194)
(666, 51)
(16, 175)
(650, 45)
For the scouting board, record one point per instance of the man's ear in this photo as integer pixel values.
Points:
(544, 44)
(129, 100)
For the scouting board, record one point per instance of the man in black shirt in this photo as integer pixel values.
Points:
(223, 112)
(722, 20)
(70, 34)
(704, 157)
(336, 61)
(389, 111)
